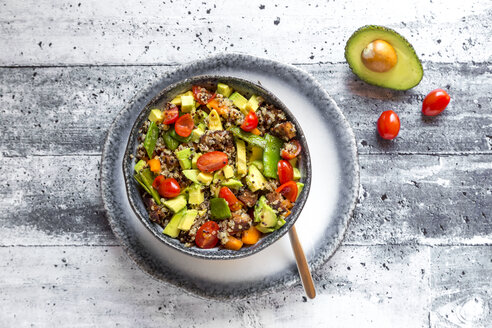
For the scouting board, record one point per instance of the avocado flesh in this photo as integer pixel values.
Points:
(407, 72)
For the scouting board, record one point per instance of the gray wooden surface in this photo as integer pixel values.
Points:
(418, 252)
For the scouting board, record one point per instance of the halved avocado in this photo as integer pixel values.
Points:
(407, 71)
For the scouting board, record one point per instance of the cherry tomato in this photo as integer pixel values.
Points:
(232, 201)
(288, 190)
(168, 188)
(157, 181)
(184, 125)
(435, 102)
(250, 122)
(388, 125)
(285, 171)
(213, 161)
(291, 149)
(202, 95)
(171, 114)
(206, 236)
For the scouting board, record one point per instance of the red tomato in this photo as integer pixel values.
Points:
(285, 171)
(157, 182)
(288, 190)
(250, 122)
(435, 102)
(206, 236)
(184, 125)
(168, 188)
(388, 125)
(291, 149)
(171, 115)
(202, 95)
(232, 201)
(213, 161)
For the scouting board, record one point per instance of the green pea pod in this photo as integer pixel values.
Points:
(179, 138)
(145, 178)
(151, 138)
(271, 156)
(250, 138)
(170, 142)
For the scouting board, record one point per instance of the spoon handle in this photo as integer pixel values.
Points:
(302, 266)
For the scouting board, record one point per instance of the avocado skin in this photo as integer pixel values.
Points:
(386, 30)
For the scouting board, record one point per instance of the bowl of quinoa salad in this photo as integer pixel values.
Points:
(217, 167)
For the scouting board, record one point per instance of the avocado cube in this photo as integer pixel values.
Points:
(187, 220)
(140, 165)
(192, 175)
(293, 162)
(255, 180)
(265, 215)
(219, 210)
(253, 103)
(224, 89)
(205, 178)
(176, 204)
(297, 173)
(256, 154)
(240, 102)
(214, 122)
(187, 104)
(241, 166)
(228, 171)
(258, 164)
(195, 194)
(195, 160)
(156, 116)
(232, 183)
(196, 134)
(183, 156)
(300, 186)
(171, 228)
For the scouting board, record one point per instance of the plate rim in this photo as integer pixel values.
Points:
(327, 249)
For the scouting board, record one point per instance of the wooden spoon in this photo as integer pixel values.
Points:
(302, 266)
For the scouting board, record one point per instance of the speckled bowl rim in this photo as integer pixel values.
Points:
(325, 250)
(134, 194)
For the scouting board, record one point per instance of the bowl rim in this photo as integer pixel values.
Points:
(216, 253)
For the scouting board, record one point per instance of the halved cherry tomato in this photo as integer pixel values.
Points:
(168, 188)
(231, 199)
(157, 182)
(206, 236)
(288, 190)
(250, 122)
(202, 95)
(435, 102)
(171, 114)
(388, 125)
(285, 171)
(291, 149)
(213, 161)
(184, 125)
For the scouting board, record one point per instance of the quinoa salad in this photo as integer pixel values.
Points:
(217, 169)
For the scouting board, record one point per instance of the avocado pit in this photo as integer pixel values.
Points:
(379, 56)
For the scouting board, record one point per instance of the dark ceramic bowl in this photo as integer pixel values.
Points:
(246, 88)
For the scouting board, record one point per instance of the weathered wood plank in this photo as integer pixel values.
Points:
(461, 287)
(99, 286)
(421, 199)
(102, 32)
(54, 111)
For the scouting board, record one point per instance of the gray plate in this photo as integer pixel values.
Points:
(321, 225)
(247, 89)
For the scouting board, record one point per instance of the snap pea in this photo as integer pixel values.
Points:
(145, 179)
(151, 138)
(250, 138)
(271, 155)
(179, 138)
(170, 142)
